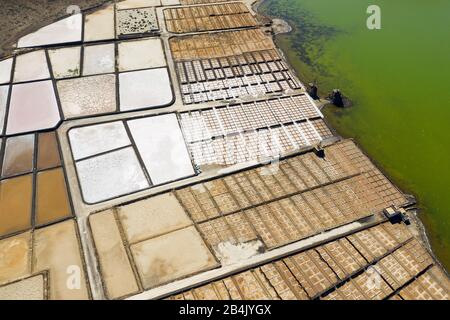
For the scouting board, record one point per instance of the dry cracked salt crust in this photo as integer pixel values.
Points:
(136, 21)
(88, 95)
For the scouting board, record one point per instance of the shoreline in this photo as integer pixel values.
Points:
(416, 223)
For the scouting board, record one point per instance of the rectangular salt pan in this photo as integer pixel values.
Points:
(31, 66)
(52, 199)
(112, 256)
(145, 89)
(62, 31)
(170, 2)
(111, 175)
(99, 59)
(65, 62)
(18, 156)
(183, 252)
(136, 21)
(92, 140)
(133, 4)
(5, 70)
(48, 151)
(162, 148)
(99, 25)
(55, 248)
(3, 99)
(15, 197)
(87, 96)
(141, 54)
(33, 107)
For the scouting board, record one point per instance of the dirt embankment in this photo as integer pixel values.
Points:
(18, 17)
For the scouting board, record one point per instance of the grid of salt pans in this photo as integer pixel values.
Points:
(293, 199)
(117, 158)
(341, 269)
(220, 44)
(107, 23)
(49, 85)
(209, 17)
(32, 183)
(249, 74)
(252, 131)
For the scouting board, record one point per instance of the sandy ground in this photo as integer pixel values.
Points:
(18, 17)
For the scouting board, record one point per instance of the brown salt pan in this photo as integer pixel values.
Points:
(48, 154)
(15, 257)
(52, 201)
(18, 155)
(15, 204)
(56, 248)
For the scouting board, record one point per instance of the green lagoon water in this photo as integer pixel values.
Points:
(398, 80)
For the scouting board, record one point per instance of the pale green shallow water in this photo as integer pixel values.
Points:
(398, 79)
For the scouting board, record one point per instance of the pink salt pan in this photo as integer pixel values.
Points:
(33, 107)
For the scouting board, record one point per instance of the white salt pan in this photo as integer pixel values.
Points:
(62, 31)
(5, 70)
(111, 175)
(141, 54)
(162, 148)
(144, 89)
(92, 140)
(31, 66)
(99, 59)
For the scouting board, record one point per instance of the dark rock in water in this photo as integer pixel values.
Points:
(313, 91)
(320, 152)
(338, 99)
